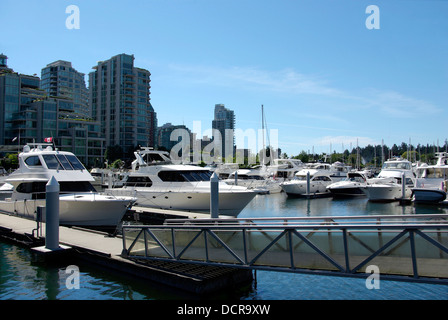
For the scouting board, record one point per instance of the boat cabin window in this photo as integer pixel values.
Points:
(397, 165)
(76, 164)
(138, 182)
(52, 162)
(408, 181)
(246, 177)
(62, 162)
(322, 178)
(183, 176)
(33, 161)
(435, 173)
(38, 189)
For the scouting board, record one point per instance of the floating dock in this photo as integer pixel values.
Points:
(105, 250)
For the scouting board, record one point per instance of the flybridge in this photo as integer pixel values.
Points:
(52, 159)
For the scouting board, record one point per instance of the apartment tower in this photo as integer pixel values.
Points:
(120, 101)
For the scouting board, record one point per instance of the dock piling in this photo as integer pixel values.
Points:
(214, 196)
(52, 215)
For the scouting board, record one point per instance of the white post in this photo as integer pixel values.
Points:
(308, 183)
(109, 182)
(52, 215)
(214, 196)
(403, 186)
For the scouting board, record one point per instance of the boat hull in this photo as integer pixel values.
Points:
(75, 210)
(230, 203)
(298, 189)
(384, 192)
(347, 192)
(426, 195)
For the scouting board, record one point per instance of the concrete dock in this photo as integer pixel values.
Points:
(105, 250)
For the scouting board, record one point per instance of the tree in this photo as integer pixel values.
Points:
(113, 153)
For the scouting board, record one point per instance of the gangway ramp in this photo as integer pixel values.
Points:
(401, 247)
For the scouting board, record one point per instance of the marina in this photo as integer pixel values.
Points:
(286, 286)
(195, 245)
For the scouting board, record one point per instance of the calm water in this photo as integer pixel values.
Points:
(23, 279)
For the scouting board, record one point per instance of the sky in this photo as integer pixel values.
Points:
(329, 74)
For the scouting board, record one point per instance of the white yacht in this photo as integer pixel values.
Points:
(254, 179)
(431, 181)
(349, 187)
(388, 185)
(339, 171)
(285, 169)
(319, 180)
(79, 205)
(158, 183)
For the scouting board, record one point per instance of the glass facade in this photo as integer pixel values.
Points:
(120, 98)
(30, 113)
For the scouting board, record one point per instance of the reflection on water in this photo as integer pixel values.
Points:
(280, 205)
(22, 279)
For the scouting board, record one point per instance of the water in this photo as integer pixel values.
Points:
(23, 278)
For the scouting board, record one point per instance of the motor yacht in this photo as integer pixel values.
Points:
(431, 181)
(319, 179)
(158, 183)
(80, 204)
(285, 169)
(388, 185)
(349, 187)
(254, 179)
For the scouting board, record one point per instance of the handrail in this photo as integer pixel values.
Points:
(344, 247)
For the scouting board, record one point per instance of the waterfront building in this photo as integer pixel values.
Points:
(60, 79)
(18, 118)
(120, 100)
(224, 122)
(28, 114)
(164, 136)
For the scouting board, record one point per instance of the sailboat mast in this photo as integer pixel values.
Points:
(262, 130)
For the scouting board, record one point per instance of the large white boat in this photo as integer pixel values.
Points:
(431, 181)
(349, 187)
(388, 185)
(319, 180)
(79, 203)
(158, 183)
(254, 179)
(285, 169)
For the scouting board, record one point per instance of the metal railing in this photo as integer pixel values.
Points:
(411, 247)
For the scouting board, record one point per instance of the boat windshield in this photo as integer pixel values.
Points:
(182, 176)
(397, 165)
(38, 189)
(62, 162)
(433, 173)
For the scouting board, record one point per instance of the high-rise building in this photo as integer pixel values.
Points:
(60, 79)
(224, 122)
(120, 101)
(164, 136)
(28, 114)
(18, 118)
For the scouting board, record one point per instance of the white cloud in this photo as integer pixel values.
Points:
(250, 78)
(288, 82)
(395, 104)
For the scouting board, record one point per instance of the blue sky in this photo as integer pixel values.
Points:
(323, 76)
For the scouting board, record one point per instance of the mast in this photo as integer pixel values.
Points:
(262, 130)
